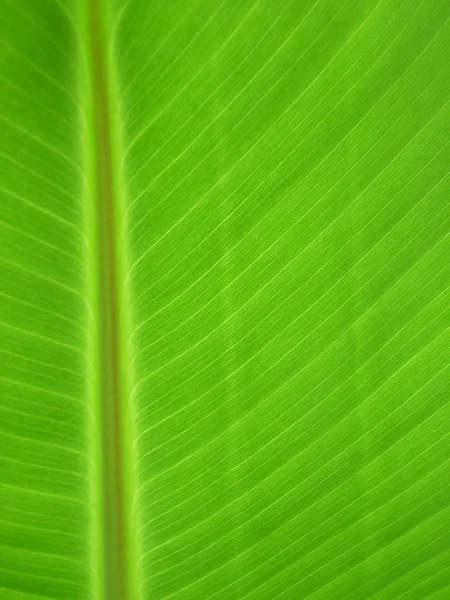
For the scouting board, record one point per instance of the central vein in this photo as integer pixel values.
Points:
(113, 406)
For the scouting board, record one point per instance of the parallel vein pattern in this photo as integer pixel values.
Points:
(287, 178)
(45, 464)
(280, 254)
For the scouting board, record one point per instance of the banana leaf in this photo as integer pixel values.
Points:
(224, 300)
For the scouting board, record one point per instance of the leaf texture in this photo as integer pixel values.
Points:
(281, 184)
(45, 532)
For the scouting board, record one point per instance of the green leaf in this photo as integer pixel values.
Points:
(224, 300)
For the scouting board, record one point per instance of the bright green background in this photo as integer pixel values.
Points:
(285, 165)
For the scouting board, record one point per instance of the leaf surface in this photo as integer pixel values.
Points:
(45, 532)
(224, 300)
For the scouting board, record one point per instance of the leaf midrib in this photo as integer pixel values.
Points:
(114, 504)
